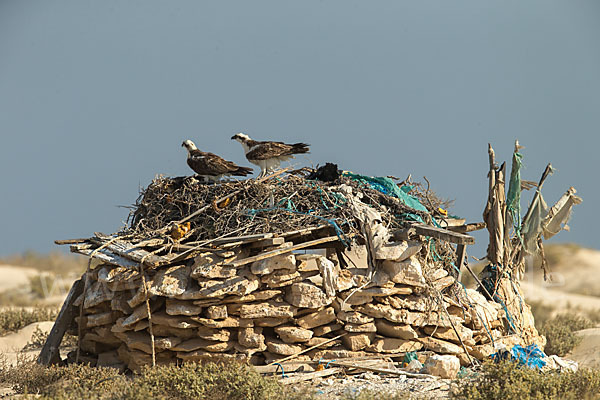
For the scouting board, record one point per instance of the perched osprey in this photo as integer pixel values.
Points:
(211, 166)
(268, 155)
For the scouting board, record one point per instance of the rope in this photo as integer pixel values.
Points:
(493, 269)
(471, 305)
(283, 375)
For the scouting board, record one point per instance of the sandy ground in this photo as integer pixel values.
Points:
(12, 344)
(587, 353)
(576, 276)
(558, 299)
(17, 279)
(12, 277)
(577, 271)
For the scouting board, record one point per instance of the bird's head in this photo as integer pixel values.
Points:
(240, 137)
(189, 145)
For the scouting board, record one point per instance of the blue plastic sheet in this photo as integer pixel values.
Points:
(530, 356)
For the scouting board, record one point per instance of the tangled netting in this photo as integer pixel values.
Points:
(280, 205)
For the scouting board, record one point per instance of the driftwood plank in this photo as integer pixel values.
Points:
(443, 234)
(291, 357)
(245, 238)
(293, 366)
(300, 377)
(380, 370)
(475, 226)
(303, 231)
(50, 351)
(70, 241)
(104, 255)
(273, 253)
(277, 241)
(129, 251)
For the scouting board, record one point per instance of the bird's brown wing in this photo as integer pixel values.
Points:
(266, 150)
(210, 164)
(220, 165)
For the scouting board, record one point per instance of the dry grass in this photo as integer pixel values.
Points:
(232, 381)
(13, 319)
(508, 381)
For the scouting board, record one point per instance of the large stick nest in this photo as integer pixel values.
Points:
(283, 204)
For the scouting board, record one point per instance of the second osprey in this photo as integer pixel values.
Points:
(210, 166)
(268, 155)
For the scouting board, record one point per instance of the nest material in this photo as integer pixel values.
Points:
(277, 206)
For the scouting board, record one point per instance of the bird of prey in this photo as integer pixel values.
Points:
(211, 166)
(268, 155)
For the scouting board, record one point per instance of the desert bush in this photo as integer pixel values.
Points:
(506, 380)
(29, 377)
(221, 381)
(13, 319)
(560, 333)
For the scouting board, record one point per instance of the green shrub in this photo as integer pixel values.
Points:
(508, 381)
(560, 333)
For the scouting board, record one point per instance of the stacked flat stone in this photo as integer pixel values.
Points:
(280, 306)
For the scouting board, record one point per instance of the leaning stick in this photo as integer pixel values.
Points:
(309, 349)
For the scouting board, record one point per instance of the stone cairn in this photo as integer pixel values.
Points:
(299, 294)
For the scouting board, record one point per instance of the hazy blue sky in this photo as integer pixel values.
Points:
(97, 96)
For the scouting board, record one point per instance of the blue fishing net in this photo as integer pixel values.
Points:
(387, 186)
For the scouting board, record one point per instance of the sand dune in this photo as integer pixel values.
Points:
(12, 344)
(558, 299)
(13, 277)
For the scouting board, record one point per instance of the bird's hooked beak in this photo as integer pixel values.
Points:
(234, 137)
(183, 144)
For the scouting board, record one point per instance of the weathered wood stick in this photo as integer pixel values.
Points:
(70, 241)
(50, 351)
(300, 377)
(309, 349)
(276, 252)
(475, 226)
(381, 370)
(127, 250)
(443, 234)
(104, 255)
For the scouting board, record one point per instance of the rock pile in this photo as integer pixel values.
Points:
(224, 305)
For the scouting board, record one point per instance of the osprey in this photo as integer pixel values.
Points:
(268, 155)
(211, 166)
